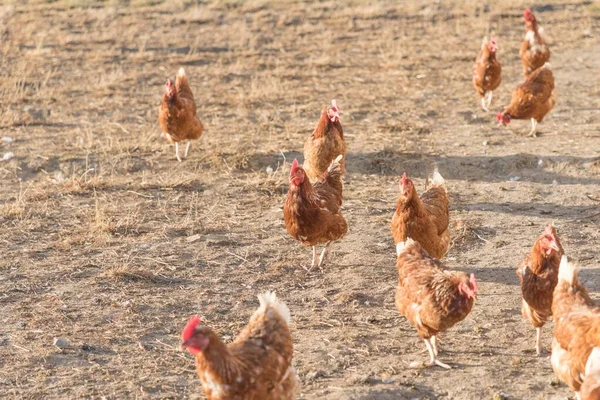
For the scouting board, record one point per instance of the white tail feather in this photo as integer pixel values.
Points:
(402, 246)
(181, 72)
(593, 362)
(547, 65)
(338, 158)
(437, 179)
(567, 271)
(269, 299)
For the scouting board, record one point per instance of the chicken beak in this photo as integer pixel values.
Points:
(554, 246)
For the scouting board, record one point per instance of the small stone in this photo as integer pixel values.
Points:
(60, 343)
(540, 163)
(485, 142)
(311, 376)
(415, 365)
(555, 182)
(514, 178)
(8, 156)
(7, 139)
(269, 170)
(193, 238)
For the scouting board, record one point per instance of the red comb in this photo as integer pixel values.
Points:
(527, 12)
(499, 116)
(549, 231)
(189, 329)
(334, 105)
(404, 179)
(294, 166)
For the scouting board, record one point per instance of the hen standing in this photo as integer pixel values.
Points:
(431, 298)
(534, 50)
(423, 219)
(576, 327)
(538, 274)
(486, 72)
(312, 212)
(532, 99)
(177, 114)
(256, 366)
(325, 143)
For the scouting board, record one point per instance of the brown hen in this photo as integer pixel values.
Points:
(532, 99)
(487, 72)
(177, 114)
(576, 326)
(534, 51)
(312, 211)
(538, 274)
(431, 298)
(325, 144)
(423, 219)
(256, 366)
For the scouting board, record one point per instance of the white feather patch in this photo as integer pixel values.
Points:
(566, 271)
(437, 179)
(593, 362)
(269, 299)
(181, 72)
(403, 246)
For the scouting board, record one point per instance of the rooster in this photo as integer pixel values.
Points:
(576, 327)
(424, 219)
(486, 72)
(312, 211)
(534, 51)
(532, 99)
(590, 390)
(325, 143)
(177, 114)
(431, 298)
(256, 366)
(538, 274)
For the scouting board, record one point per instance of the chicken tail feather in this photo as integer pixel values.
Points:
(437, 179)
(269, 299)
(567, 271)
(547, 65)
(401, 247)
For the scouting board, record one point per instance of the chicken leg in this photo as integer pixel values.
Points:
(177, 151)
(325, 253)
(187, 147)
(486, 100)
(538, 337)
(533, 131)
(432, 355)
(314, 260)
(434, 345)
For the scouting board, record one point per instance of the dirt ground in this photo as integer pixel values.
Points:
(109, 243)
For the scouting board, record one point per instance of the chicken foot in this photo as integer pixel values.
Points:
(187, 147)
(433, 354)
(486, 100)
(533, 131)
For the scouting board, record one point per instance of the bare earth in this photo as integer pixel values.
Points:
(109, 243)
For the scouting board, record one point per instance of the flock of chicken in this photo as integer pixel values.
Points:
(258, 364)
